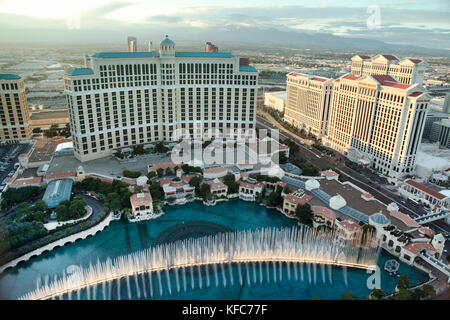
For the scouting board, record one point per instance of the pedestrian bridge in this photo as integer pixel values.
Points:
(435, 263)
(430, 217)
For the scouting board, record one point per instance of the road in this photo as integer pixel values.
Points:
(373, 184)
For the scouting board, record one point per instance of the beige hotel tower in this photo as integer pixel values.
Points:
(121, 99)
(14, 114)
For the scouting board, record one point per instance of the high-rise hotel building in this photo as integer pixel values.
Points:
(375, 117)
(308, 101)
(123, 99)
(407, 71)
(14, 114)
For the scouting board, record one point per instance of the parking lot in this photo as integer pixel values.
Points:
(9, 154)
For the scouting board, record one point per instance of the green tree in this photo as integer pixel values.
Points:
(404, 294)
(169, 172)
(160, 172)
(230, 181)
(377, 294)
(40, 206)
(156, 191)
(115, 205)
(348, 295)
(304, 214)
(275, 199)
(161, 148)
(111, 196)
(429, 290)
(195, 182)
(205, 191)
(23, 211)
(151, 175)
(403, 282)
(287, 190)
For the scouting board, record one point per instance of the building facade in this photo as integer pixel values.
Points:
(14, 114)
(407, 71)
(121, 99)
(275, 100)
(440, 132)
(308, 102)
(378, 119)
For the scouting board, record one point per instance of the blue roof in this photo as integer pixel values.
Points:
(247, 69)
(80, 72)
(166, 42)
(379, 218)
(9, 76)
(113, 55)
(57, 191)
(201, 54)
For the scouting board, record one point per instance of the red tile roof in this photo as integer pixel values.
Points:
(410, 222)
(350, 77)
(386, 80)
(427, 231)
(425, 189)
(416, 247)
(61, 175)
(251, 185)
(329, 173)
(330, 214)
(305, 198)
(416, 61)
(415, 94)
(26, 182)
(140, 199)
(319, 79)
(390, 57)
(216, 185)
(349, 225)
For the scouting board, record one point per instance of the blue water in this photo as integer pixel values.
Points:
(122, 238)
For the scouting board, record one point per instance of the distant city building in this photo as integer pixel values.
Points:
(407, 71)
(150, 46)
(446, 106)
(132, 44)
(440, 132)
(14, 114)
(308, 102)
(431, 118)
(121, 99)
(379, 120)
(209, 47)
(275, 100)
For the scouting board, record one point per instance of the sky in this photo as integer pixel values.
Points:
(423, 23)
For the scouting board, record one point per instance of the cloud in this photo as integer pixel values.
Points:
(411, 23)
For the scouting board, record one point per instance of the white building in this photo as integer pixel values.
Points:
(121, 99)
(275, 100)
(419, 192)
(380, 118)
(407, 71)
(308, 102)
(249, 189)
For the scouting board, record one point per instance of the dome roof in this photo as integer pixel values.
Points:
(337, 202)
(167, 42)
(312, 184)
(379, 218)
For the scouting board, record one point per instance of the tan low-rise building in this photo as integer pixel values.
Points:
(293, 199)
(141, 206)
(218, 188)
